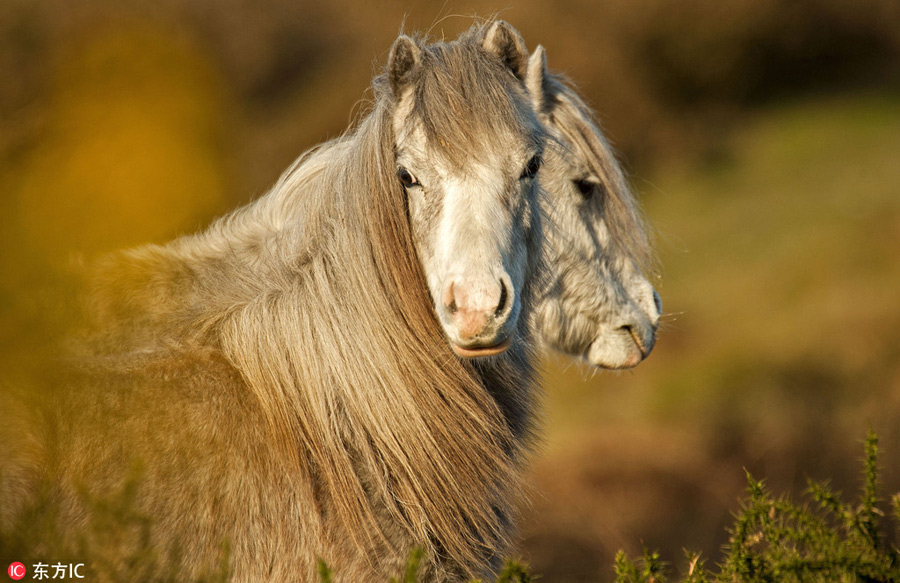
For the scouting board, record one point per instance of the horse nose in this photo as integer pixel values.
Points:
(643, 337)
(476, 305)
(642, 333)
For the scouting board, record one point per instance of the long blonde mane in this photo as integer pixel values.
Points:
(315, 295)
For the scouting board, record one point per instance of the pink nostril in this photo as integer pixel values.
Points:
(489, 298)
(476, 306)
(449, 299)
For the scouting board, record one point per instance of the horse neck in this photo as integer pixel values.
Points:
(167, 294)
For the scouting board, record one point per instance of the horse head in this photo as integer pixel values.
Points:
(595, 303)
(468, 148)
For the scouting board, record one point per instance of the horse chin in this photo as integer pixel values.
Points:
(480, 351)
(613, 355)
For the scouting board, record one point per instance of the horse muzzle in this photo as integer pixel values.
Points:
(479, 314)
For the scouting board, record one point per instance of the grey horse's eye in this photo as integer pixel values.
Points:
(531, 169)
(585, 187)
(406, 178)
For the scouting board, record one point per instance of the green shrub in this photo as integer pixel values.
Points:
(776, 540)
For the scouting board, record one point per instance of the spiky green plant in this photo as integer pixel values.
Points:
(774, 540)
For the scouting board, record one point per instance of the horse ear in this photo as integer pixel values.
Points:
(536, 78)
(505, 42)
(402, 61)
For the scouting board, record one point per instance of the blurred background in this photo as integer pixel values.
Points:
(763, 138)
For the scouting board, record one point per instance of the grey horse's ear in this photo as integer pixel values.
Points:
(402, 61)
(504, 41)
(536, 78)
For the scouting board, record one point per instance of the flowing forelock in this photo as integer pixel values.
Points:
(461, 80)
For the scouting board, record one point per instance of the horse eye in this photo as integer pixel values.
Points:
(406, 178)
(531, 169)
(585, 187)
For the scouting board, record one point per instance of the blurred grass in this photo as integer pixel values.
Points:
(131, 146)
(125, 145)
(800, 227)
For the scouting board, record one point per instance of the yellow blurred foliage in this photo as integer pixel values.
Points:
(132, 151)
